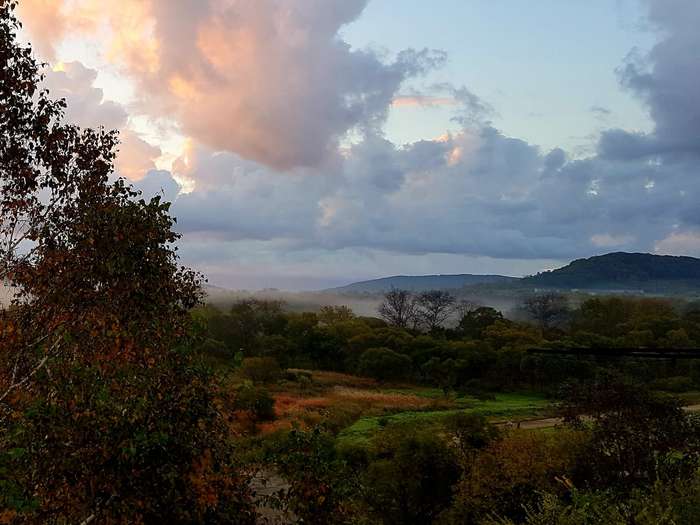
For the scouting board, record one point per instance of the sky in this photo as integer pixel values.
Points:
(310, 143)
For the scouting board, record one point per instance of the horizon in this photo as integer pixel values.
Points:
(307, 145)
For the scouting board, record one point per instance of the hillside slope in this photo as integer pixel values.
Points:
(421, 283)
(623, 271)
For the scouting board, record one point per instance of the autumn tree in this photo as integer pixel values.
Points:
(398, 308)
(105, 415)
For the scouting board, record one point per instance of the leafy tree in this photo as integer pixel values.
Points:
(637, 436)
(248, 319)
(105, 414)
(471, 433)
(442, 373)
(322, 487)
(506, 475)
(384, 364)
(410, 480)
(474, 323)
(335, 314)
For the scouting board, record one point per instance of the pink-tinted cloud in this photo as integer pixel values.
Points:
(87, 107)
(270, 80)
(422, 100)
(47, 21)
(136, 156)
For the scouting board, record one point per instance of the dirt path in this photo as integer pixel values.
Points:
(267, 483)
(549, 422)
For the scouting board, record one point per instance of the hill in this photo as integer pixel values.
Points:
(642, 271)
(419, 283)
(620, 271)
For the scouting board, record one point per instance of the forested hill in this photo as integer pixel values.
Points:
(613, 271)
(423, 282)
(623, 271)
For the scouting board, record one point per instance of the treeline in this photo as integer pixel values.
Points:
(481, 350)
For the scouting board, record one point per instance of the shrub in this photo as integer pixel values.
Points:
(261, 369)
(255, 400)
(321, 487)
(410, 479)
(216, 349)
(676, 384)
(507, 474)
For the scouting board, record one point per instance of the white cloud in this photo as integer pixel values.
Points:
(265, 91)
(680, 243)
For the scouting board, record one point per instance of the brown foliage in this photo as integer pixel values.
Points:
(104, 413)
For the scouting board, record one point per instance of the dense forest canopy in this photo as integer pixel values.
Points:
(621, 270)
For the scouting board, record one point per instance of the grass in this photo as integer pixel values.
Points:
(341, 405)
(505, 406)
(689, 398)
(357, 407)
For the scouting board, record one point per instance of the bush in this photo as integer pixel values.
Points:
(506, 476)
(384, 364)
(321, 486)
(675, 384)
(410, 479)
(261, 369)
(255, 400)
(298, 376)
(217, 349)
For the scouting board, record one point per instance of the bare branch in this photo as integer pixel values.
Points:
(16, 384)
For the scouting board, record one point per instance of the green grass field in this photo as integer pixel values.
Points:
(506, 406)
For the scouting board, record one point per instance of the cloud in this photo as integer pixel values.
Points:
(600, 111)
(158, 183)
(47, 21)
(666, 80)
(680, 243)
(87, 107)
(422, 100)
(606, 240)
(270, 80)
(267, 90)
(136, 156)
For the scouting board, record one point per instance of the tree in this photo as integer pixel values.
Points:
(507, 474)
(384, 364)
(321, 486)
(249, 319)
(410, 480)
(465, 307)
(442, 373)
(335, 314)
(637, 436)
(548, 310)
(434, 307)
(398, 308)
(105, 413)
(475, 322)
